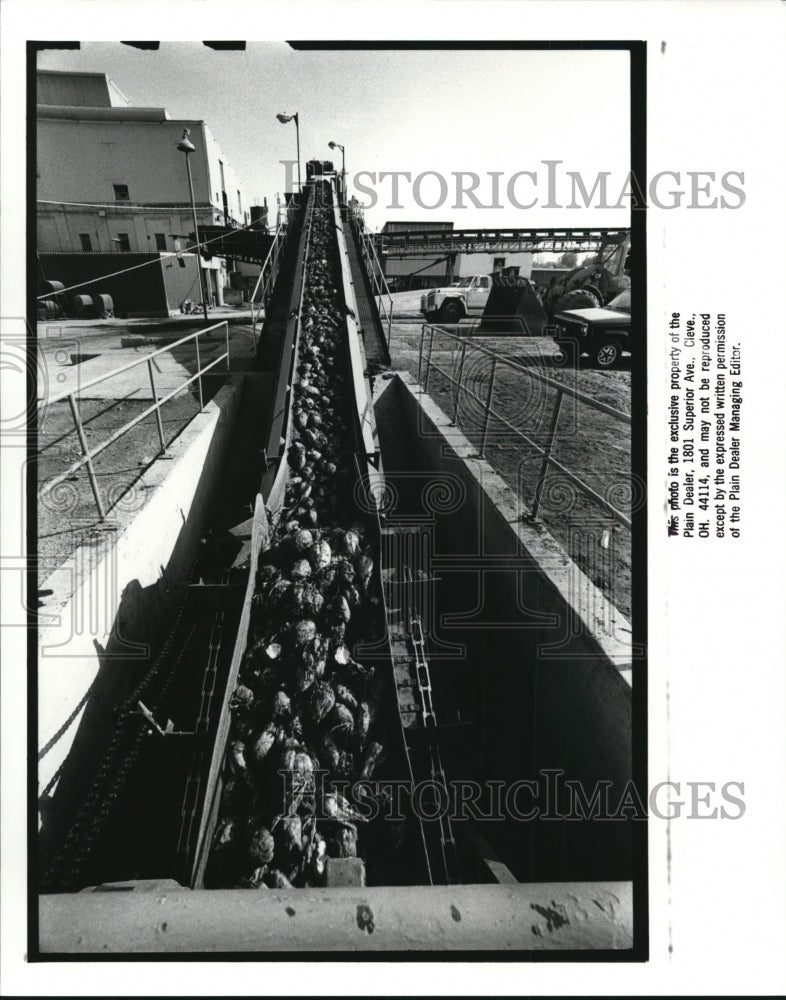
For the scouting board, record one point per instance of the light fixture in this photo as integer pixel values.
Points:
(337, 145)
(186, 147)
(288, 118)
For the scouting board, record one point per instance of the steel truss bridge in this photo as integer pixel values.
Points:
(448, 242)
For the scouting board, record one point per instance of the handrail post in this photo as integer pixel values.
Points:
(544, 468)
(158, 408)
(428, 364)
(85, 452)
(420, 355)
(489, 397)
(226, 328)
(460, 379)
(199, 373)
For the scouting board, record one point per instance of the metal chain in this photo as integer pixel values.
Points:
(86, 816)
(119, 779)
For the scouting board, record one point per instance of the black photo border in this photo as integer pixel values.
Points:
(638, 167)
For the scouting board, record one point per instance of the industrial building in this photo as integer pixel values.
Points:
(111, 180)
(429, 271)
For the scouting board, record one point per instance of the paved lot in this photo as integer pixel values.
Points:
(70, 356)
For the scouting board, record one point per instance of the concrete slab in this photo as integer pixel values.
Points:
(60, 371)
(169, 372)
(149, 322)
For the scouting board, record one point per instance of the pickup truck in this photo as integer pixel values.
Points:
(465, 297)
(602, 333)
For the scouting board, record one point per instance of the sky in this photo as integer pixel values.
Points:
(414, 111)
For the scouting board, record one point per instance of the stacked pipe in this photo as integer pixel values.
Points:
(307, 718)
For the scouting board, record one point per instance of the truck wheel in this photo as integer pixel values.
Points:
(607, 353)
(578, 298)
(451, 312)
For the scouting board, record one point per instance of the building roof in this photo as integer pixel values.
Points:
(74, 89)
(78, 112)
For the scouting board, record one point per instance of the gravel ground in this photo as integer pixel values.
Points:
(591, 444)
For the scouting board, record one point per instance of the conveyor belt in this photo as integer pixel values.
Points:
(249, 784)
(153, 807)
(368, 315)
(282, 332)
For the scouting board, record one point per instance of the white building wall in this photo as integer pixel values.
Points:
(483, 263)
(215, 157)
(59, 229)
(80, 160)
(397, 266)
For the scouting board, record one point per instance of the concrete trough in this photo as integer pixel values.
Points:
(546, 659)
(110, 602)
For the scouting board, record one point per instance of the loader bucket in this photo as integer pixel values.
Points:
(512, 308)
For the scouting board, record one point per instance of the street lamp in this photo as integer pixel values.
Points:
(288, 118)
(337, 145)
(188, 148)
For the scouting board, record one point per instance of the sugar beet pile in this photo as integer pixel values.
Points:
(303, 705)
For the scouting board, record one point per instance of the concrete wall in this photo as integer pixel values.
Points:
(110, 602)
(546, 662)
(459, 918)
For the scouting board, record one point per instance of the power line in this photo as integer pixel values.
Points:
(136, 267)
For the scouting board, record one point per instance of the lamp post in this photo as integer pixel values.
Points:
(337, 145)
(187, 148)
(288, 118)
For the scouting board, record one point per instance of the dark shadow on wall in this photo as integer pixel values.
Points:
(536, 714)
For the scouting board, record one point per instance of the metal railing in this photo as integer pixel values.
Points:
(548, 461)
(268, 273)
(90, 454)
(379, 285)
